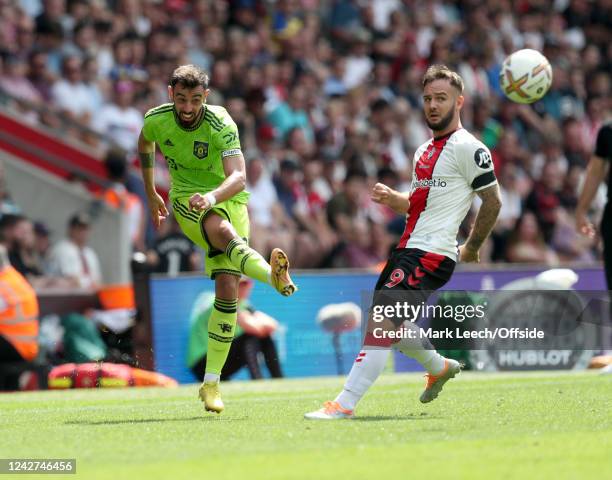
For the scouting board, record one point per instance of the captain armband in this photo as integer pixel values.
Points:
(487, 178)
(231, 153)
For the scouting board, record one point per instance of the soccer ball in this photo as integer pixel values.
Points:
(525, 76)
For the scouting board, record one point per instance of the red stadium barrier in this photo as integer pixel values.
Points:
(41, 149)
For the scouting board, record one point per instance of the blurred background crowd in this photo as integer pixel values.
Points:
(327, 98)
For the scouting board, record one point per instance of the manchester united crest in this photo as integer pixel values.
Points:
(200, 149)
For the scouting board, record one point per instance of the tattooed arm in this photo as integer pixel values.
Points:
(157, 206)
(485, 220)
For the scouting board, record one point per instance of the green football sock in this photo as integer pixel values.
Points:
(221, 325)
(248, 261)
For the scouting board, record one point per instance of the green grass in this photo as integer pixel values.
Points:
(483, 426)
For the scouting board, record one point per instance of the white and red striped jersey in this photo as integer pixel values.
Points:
(447, 173)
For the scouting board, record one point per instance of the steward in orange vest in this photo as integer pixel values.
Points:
(18, 310)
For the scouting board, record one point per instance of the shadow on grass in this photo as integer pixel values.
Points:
(207, 418)
(410, 416)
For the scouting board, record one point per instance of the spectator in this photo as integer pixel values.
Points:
(18, 318)
(527, 245)
(253, 335)
(359, 65)
(543, 200)
(73, 259)
(39, 74)
(348, 214)
(118, 196)
(316, 238)
(576, 144)
(567, 243)
(49, 38)
(71, 95)
(119, 120)
(474, 76)
(513, 189)
(96, 88)
(344, 20)
(347, 206)
(24, 256)
(7, 205)
(292, 114)
(334, 84)
(21, 253)
(287, 184)
(53, 11)
(42, 245)
(14, 81)
(173, 252)
(271, 225)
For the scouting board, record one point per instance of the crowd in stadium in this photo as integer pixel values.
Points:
(327, 99)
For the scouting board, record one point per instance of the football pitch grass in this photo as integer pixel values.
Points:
(483, 426)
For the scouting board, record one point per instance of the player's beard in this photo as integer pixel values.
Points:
(194, 118)
(442, 123)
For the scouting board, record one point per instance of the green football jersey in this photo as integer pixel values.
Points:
(194, 154)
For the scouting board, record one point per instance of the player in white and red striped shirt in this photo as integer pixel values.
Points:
(448, 171)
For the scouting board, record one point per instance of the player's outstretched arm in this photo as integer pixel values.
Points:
(157, 206)
(485, 221)
(235, 182)
(596, 172)
(397, 201)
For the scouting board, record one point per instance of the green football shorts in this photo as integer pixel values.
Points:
(190, 222)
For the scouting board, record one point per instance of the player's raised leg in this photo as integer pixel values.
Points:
(222, 235)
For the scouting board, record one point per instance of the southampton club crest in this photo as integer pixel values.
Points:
(200, 149)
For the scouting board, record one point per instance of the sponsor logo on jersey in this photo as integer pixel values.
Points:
(229, 138)
(169, 143)
(429, 183)
(482, 158)
(200, 149)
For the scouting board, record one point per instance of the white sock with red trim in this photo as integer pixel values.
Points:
(367, 367)
(421, 350)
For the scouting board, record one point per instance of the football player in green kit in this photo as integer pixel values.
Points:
(201, 146)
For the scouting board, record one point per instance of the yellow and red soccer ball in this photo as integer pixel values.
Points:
(525, 76)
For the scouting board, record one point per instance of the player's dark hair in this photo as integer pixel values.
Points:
(189, 76)
(442, 72)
